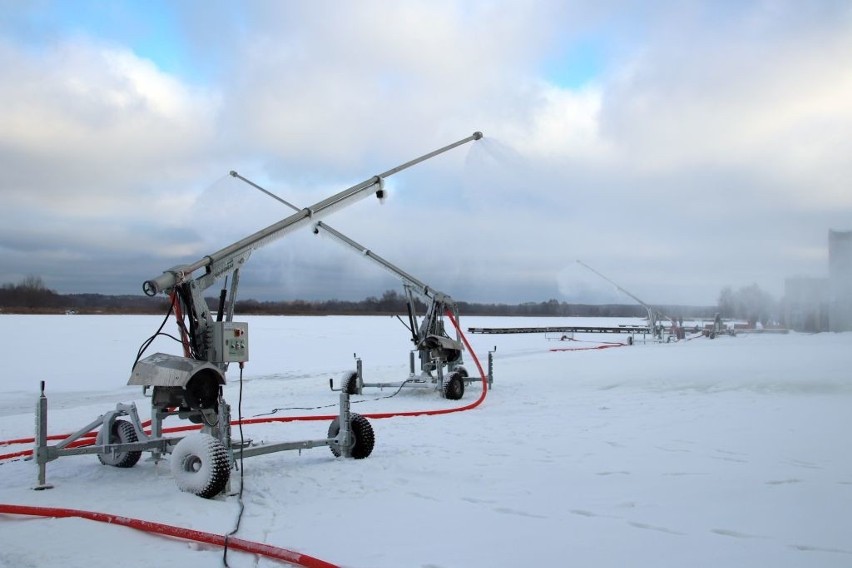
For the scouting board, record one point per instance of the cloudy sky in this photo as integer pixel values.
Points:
(676, 147)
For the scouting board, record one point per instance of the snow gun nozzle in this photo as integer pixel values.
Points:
(380, 193)
(477, 135)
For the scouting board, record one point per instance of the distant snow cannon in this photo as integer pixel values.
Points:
(190, 386)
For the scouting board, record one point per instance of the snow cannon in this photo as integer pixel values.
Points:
(190, 386)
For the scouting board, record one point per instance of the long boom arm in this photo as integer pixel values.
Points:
(407, 278)
(226, 260)
(641, 303)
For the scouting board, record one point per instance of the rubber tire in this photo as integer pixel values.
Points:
(350, 383)
(122, 433)
(361, 430)
(453, 386)
(200, 465)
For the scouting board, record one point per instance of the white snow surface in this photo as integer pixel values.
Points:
(726, 452)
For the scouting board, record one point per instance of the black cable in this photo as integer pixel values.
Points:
(240, 494)
(147, 343)
(276, 410)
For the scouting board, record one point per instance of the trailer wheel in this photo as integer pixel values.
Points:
(453, 386)
(122, 432)
(362, 433)
(200, 465)
(350, 382)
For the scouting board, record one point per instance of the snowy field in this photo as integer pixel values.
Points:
(727, 452)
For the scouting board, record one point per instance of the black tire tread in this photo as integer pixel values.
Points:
(122, 432)
(453, 388)
(216, 478)
(362, 431)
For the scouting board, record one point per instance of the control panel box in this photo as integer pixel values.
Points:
(230, 341)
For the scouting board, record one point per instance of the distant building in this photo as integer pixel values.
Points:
(840, 279)
(806, 304)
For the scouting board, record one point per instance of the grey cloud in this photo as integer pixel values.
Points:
(711, 149)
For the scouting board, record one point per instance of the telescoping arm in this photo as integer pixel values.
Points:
(406, 278)
(230, 258)
(431, 329)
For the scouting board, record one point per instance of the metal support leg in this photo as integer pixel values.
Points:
(157, 417)
(344, 436)
(223, 434)
(491, 368)
(40, 450)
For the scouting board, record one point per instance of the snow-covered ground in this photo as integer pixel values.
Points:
(725, 452)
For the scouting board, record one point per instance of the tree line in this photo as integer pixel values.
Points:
(31, 295)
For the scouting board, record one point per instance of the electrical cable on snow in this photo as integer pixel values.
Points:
(276, 410)
(240, 494)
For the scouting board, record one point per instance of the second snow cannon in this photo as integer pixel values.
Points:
(438, 351)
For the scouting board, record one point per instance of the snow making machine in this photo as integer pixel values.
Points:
(190, 386)
(438, 352)
(440, 355)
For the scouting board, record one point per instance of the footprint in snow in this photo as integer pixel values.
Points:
(508, 511)
(783, 481)
(734, 534)
(806, 548)
(654, 528)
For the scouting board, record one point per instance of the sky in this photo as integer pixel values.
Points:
(676, 147)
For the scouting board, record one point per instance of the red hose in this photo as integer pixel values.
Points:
(261, 549)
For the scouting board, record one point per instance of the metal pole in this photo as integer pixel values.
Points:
(491, 368)
(344, 435)
(41, 441)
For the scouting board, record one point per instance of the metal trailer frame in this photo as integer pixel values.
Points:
(193, 383)
(159, 445)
